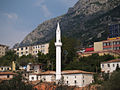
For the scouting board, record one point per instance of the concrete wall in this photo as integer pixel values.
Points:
(98, 46)
(6, 76)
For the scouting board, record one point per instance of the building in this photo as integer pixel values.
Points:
(110, 66)
(113, 44)
(3, 49)
(33, 50)
(5, 68)
(34, 68)
(100, 53)
(70, 77)
(6, 75)
(114, 30)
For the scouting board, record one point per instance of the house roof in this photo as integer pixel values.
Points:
(64, 72)
(76, 72)
(34, 64)
(110, 51)
(7, 73)
(114, 60)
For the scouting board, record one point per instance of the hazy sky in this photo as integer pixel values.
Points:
(20, 17)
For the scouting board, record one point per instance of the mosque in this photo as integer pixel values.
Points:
(68, 77)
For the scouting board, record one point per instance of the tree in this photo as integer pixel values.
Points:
(68, 51)
(8, 58)
(24, 60)
(113, 83)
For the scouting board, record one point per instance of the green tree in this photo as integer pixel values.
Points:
(8, 58)
(24, 60)
(68, 51)
(113, 83)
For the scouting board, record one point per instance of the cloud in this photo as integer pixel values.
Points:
(47, 13)
(43, 6)
(69, 2)
(39, 2)
(11, 15)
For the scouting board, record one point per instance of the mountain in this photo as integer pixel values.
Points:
(86, 21)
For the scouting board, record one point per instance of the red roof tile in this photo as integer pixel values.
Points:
(115, 60)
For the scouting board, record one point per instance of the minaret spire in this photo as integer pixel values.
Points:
(58, 45)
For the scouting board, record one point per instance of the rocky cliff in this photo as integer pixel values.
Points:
(86, 21)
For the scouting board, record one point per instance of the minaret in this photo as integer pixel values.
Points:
(58, 45)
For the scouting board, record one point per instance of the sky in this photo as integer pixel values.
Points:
(19, 17)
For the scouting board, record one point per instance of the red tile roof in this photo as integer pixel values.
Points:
(76, 72)
(111, 51)
(64, 72)
(7, 73)
(115, 60)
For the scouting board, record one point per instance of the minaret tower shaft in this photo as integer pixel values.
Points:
(58, 45)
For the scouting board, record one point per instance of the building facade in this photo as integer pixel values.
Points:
(34, 68)
(69, 77)
(6, 75)
(110, 66)
(33, 50)
(110, 44)
(3, 49)
(5, 68)
(114, 30)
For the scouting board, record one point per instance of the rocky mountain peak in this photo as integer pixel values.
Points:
(84, 21)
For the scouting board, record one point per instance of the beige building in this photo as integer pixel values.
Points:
(70, 77)
(33, 50)
(5, 68)
(6, 75)
(110, 44)
(35, 68)
(3, 49)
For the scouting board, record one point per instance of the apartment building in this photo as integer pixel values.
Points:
(33, 50)
(110, 44)
(3, 49)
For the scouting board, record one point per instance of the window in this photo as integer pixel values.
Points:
(83, 81)
(75, 81)
(67, 82)
(104, 44)
(32, 78)
(67, 77)
(83, 76)
(21, 52)
(7, 68)
(40, 67)
(108, 65)
(113, 65)
(75, 76)
(103, 65)
(21, 48)
(8, 76)
(26, 52)
(17, 49)
(26, 48)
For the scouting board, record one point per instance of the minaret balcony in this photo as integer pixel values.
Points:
(58, 44)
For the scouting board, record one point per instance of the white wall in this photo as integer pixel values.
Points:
(80, 79)
(32, 77)
(106, 69)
